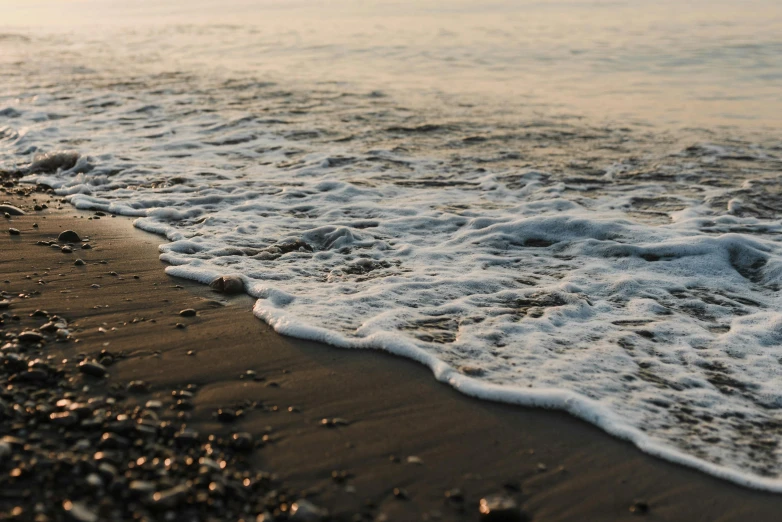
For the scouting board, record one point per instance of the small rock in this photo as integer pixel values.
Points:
(94, 480)
(501, 508)
(138, 387)
(412, 459)
(305, 511)
(66, 250)
(187, 437)
(141, 487)
(93, 368)
(171, 497)
(69, 236)
(242, 441)
(79, 262)
(30, 337)
(113, 441)
(188, 312)
(333, 423)
(11, 210)
(4, 304)
(228, 284)
(226, 415)
(455, 495)
(86, 246)
(65, 418)
(472, 371)
(639, 507)
(79, 512)
(14, 231)
(401, 494)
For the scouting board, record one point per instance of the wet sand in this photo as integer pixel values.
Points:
(557, 467)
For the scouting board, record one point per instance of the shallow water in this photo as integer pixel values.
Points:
(572, 205)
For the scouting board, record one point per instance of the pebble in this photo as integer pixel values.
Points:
(30, 337)
(401, 494)
(93, 368)
(333, 423)
(142, 487)
(79, 512)
(305, 511)
(242, 441)
(137, 387)
(228, 284)
(11, 210)
(5, 304)
(227, 415)
(69, 236)
(79, 262)
(501, 508)
(639, 507)
(455, 495)
(188, 312)
(86, 246)
(171, 497)
(14, 231)
(66, 250)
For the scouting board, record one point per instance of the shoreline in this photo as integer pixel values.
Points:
(557, 467)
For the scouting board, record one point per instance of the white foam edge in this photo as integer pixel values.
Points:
(567, 401)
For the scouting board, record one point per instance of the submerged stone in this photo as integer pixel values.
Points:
(228, 284)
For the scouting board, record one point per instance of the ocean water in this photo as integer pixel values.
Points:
(573, 205)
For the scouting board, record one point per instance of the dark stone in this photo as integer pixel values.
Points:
(401, 494)
(14, 231)
(11, 210)
(188, 312)
(69, 236)
(93, 368)
(30, 337)
(639, 507)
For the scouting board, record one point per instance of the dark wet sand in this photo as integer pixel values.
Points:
(563, 468)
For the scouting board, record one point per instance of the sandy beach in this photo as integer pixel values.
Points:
(396, 444)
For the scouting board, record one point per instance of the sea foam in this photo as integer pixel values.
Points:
(626, 278)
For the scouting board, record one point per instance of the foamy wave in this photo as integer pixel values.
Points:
(635, 285)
